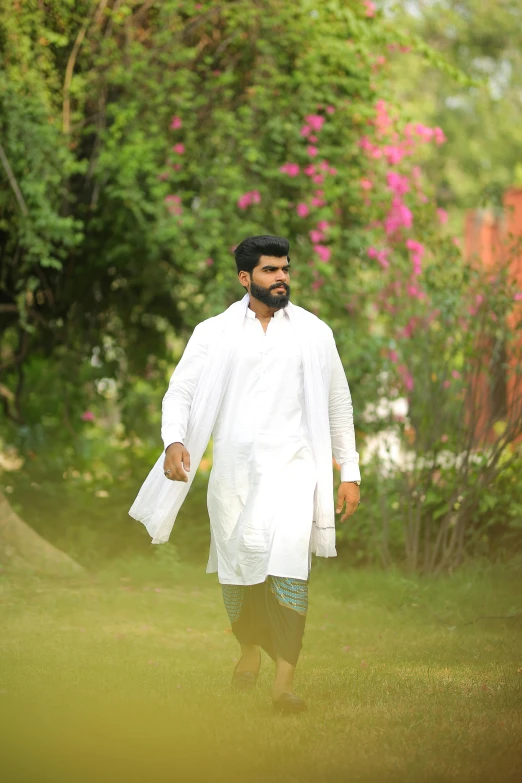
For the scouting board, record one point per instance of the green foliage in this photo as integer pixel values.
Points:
(143, 141)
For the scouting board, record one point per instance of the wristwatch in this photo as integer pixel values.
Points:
(354, 482)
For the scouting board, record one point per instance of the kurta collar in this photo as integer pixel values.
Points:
(278, 313)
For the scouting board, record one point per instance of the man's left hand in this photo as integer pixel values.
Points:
(350, 494)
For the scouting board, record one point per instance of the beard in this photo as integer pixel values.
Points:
(266, 296)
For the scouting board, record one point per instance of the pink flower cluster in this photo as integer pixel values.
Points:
(175, 123)
(173, 204)
(292, 169)
(406, 377)
(370, 8)
(380, 255)
(399, 216)
(323, 252)
(318, 237)
(416, 252)
(251, 197)
(425, 133)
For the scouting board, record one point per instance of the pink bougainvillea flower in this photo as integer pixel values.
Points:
(318, 200)
(407, 331)
(424, 131)
(88, 416)
(370, 8)
(446, 385)
(323, 165)
(382, 121)
(323, 225)
(318, 179)
(444, 438)
(365, 144)
(394, 155)
(330, 109)
(414, 291)
(175, 123)
(244, 201)
(316, 236)
(332, 170)
(173, 204)
(309, 170)
(366, 184)
(439, 135)
(302, 210)
(455, 374)
(380, 255)
(442, 215)
(313, 138)
(399, 215)
(393, 357)
(406, 376)
(312, 151)
(163, 176)
(518, 297)
(179, 149)
(479, 298)
(305, 131)
(209, 261)
(177, 166)
(316, 285)
(292, 169)
(315, 121)
(323, 252)
(252, 197)
(417, 251)
(397, 183)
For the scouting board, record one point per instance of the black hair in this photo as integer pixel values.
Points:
(250, 250)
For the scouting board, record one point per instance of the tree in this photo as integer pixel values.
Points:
(482, 119)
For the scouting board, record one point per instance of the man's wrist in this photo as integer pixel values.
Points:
(172, 444)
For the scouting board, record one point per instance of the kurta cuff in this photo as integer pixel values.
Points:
(171, 436)
(350, 472)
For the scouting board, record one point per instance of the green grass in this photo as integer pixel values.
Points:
(124, 676)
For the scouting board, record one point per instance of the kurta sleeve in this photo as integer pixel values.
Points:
(340, 413)
(178, 398)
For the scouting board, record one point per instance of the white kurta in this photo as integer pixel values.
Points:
(262, 483)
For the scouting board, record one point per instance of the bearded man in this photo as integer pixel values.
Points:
(265, 380)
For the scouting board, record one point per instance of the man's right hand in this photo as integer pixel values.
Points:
(177, 459)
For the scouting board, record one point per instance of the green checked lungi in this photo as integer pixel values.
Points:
(271, 614)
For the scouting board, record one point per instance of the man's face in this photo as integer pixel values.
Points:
(270, 281)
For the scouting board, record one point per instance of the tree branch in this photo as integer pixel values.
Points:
(12, 181)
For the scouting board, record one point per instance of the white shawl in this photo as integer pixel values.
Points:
(159, 499)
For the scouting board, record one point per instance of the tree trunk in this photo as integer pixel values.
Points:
(23, 549)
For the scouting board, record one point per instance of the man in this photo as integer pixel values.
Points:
(282, 405)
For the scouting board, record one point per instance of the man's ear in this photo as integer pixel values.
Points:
(244, 279)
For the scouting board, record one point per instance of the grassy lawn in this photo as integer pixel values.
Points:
(124, 675)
